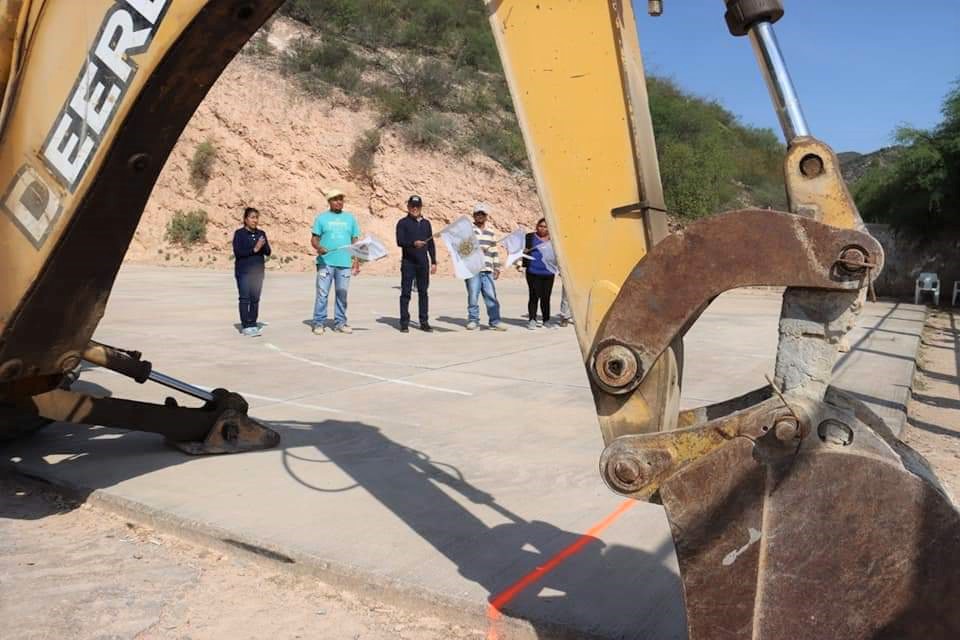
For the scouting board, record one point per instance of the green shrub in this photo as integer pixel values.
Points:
(201, 164)
(502, 142)
(187, 229)
(259, 45)
(330, 62)
(394, 105)
(364, 153)
(428, 130)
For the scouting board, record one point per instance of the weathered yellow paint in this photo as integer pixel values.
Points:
(576, 75)
(824, 197)
(56, 36)
(577, 80)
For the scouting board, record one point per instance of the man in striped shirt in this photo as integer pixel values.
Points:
(483, 281)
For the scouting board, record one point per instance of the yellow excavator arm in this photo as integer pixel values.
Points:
(795, 511)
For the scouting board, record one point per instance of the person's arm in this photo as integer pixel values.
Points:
(265, 250)
(355, 263)
(242, 247)
(403, 239)
(495, 256)
(315, 238)
(431, 249)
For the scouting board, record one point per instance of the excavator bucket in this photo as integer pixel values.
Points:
(795, 512)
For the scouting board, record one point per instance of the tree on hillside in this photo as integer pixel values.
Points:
(709, 161)
(919, 191)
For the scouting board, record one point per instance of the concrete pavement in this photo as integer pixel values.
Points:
(445, 466)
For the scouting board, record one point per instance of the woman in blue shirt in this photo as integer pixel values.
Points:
(539, 277)
(250, 247)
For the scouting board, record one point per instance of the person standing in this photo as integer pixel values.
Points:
(566, 316)
(539, 277)
(483, 281)
(419, 260)
(333, 230)
(250, 248)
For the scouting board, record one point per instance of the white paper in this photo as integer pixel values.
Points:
(548, 256)
(367, 249)
(514, 244)
(464, 248)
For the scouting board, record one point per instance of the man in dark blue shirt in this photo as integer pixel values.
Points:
(250, 247)
(419, 260)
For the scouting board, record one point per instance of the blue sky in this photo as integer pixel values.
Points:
(861, 67)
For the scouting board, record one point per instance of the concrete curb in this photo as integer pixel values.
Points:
(463, 612)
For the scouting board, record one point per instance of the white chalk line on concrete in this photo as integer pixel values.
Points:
(365, 375)
(291, 402)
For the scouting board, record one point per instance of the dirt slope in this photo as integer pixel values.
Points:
(278, 149)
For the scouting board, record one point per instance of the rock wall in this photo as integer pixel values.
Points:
(907, 257)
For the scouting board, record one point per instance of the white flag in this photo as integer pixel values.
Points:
(367, 249)
(514, 244)
(548, 256)
(464, 248)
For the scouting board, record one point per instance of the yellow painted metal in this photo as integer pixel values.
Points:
(824, 196)
(61, 34)
(576, 75)
(583, 124)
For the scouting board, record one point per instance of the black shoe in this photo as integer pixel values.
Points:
(426, 327)
(404, 329)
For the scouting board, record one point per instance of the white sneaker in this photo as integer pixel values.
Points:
(318, 329)
(344, 328)
(471, 325)
(498, 327)
(250, 332)
(539, 323)
(532, 325)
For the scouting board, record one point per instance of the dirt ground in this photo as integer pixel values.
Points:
(934, 423)
(70, 570)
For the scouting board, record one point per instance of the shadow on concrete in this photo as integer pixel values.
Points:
(414, 325)
(484, 321)
(329, 325)
(598, 585)
(594, 593)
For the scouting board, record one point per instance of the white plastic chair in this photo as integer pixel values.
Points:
(929, 281)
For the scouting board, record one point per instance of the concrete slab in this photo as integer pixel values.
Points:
(448, 465)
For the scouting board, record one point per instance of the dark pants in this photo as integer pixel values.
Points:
(249, 285)
(540, 287)
(409, 272)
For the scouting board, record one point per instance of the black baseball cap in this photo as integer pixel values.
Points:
(414, 201)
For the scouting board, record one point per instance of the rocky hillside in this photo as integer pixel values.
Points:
(855, 165)
(303, 110)
(278, 148)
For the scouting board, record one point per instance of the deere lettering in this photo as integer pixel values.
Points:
(127, 29)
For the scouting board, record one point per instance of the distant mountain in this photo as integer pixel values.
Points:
(854, 166)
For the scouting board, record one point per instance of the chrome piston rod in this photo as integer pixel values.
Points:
(774, 68)
(180, 385)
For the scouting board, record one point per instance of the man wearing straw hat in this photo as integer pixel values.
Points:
(333, 230)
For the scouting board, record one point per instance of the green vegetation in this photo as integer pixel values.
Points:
(918, 189)
(187, 229)
(455, 29)
(441, 83)
(201, 164)
(428, 130)
(710, 162)
(364, 153)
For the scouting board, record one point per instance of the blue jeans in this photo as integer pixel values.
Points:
(482, 283)
(339, 277)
